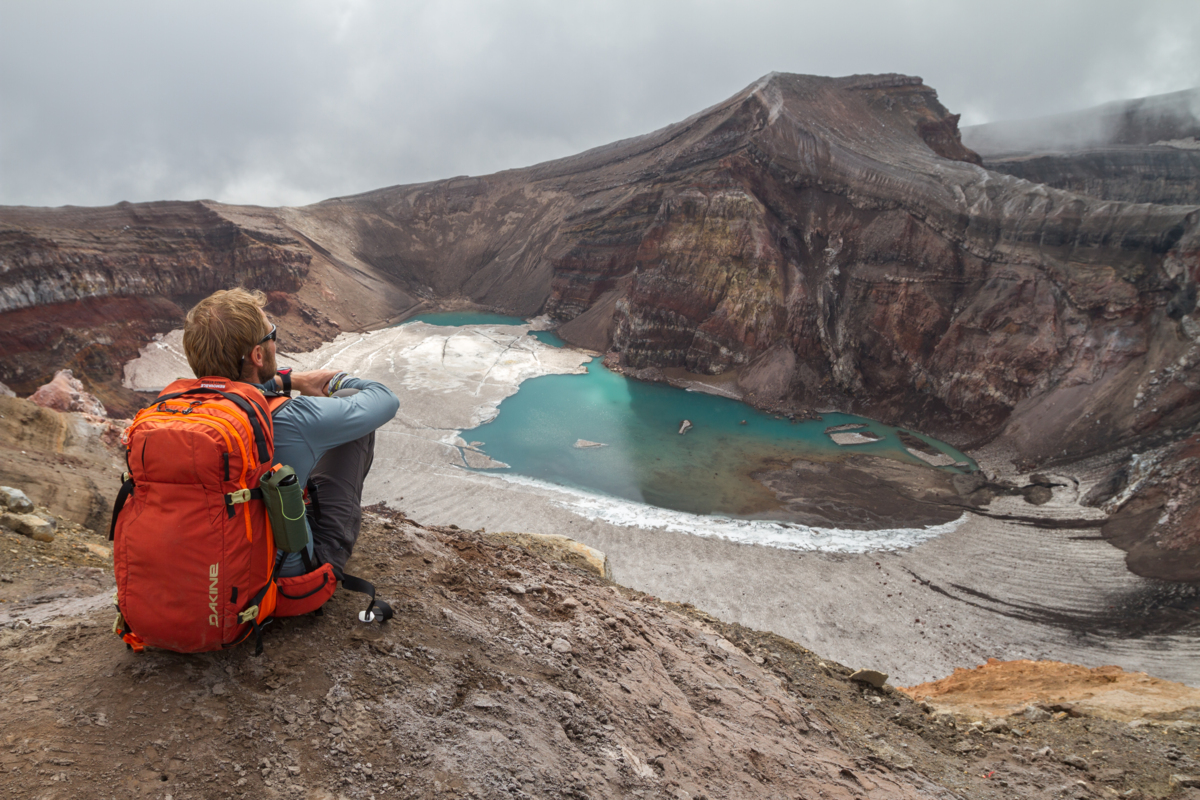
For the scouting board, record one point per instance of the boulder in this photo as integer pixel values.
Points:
(1035, 714)
(30, 525)
(870, 677)
(66, 393)
(15, 500)
(965, 484)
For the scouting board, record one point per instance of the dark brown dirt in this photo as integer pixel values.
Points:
(469, 692)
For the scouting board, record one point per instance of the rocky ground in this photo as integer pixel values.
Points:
(502, 675)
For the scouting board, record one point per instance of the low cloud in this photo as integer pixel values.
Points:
(290, 102)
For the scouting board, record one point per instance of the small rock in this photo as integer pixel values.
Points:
(561, 645)
(516, 588)
(870, 677)
(1184, 781)
(1035, 714)
(966, 484)
(570, 602)
(685, 426)
(1074, 761)
(218, 689)
(1045, 752)
(15, 500)
(997, 725)
(483, 701)
(1037, 495)
(29, 525)
(30, 698)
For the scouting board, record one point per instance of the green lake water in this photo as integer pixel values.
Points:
(643, 459)
(454, 319)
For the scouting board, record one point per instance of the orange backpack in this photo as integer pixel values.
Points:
(193, 550)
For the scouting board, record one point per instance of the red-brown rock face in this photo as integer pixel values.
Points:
(830, 240)
(1155, 502)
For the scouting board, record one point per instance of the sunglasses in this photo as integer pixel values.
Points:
(270, 337)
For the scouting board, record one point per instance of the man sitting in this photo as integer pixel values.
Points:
(330, 440)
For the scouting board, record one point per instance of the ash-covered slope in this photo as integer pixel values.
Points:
(831, 240)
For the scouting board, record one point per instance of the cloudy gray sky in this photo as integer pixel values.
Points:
(289, 102)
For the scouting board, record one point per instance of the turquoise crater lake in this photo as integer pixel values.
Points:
(604, 434)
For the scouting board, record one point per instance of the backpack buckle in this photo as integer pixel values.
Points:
(249, 615)
(240, 496)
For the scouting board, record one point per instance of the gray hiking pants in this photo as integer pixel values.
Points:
(336, 517)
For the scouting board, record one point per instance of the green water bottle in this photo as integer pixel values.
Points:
(285, 507)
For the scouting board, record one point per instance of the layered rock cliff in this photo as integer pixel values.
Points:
(830, 240)
(86, 288)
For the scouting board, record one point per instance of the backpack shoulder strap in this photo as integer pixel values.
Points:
(276, 402)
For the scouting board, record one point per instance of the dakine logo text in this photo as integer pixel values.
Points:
(213, 618)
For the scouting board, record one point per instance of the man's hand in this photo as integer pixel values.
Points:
(311, 384)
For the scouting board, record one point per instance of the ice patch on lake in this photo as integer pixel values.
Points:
(783, 535)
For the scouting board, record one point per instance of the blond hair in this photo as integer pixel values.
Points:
(221, 329)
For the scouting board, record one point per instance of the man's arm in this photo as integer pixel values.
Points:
(326, 422)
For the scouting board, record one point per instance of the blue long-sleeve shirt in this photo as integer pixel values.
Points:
(308, 427)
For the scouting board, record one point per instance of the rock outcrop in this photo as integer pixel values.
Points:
(67, 462)
(66, 393)
(1154, 499)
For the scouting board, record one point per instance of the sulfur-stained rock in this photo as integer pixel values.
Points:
(559, 548)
